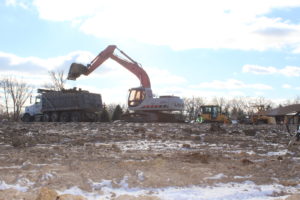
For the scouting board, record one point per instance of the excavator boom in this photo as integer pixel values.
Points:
(78, 69)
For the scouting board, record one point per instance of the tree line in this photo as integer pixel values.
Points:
(15, 93)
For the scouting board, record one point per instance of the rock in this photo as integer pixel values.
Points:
(12, 194)
(250, 132)
(293, 197)
(187, 146)
(139, 130)
(289, 183)
(279, 158)
(245, 161)
(47, 194)
(70, 197)
(216, 128)
(195, 157)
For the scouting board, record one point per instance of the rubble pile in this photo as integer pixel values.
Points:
(39, 159)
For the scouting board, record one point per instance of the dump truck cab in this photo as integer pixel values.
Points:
(33, 110)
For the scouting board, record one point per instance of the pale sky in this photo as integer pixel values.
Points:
(222, 48)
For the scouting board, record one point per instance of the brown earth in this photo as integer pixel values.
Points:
(146, 155)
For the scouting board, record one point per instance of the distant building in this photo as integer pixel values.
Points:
(285, 113)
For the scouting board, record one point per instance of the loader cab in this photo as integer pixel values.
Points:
(211, 110)
(136, 96)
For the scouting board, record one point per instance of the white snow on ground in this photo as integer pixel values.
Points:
(143, 145)
(47, 176)
(215, 177)
(229, 191)
(279, 153)
(241, 177)
(12, 167)
(5, 186)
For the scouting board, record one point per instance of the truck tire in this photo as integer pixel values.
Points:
(26, 118)
(46, 117)
(38, 118)
(64, 117)
(91, 117)
(54, 117)
(76, 117)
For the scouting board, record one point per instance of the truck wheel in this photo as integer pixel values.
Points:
(76, 117)
(46, 117)
(91, 117)
(54, 117)
(64, 117)
(26, 118)
(38, 118)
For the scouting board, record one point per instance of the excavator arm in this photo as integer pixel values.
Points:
(77, 70)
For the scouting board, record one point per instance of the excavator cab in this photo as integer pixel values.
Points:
(136, 96)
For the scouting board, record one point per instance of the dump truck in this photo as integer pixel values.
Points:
(63, 106)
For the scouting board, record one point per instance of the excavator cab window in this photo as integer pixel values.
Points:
(136, 97)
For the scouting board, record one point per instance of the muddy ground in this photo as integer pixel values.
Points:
(90, 156)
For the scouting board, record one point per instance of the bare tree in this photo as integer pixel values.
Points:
(263, 102)
(296, 100)
(4, 86)
(192, 107)
(58, 80)
(16, 94)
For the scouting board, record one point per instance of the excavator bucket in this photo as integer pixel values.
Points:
(76, 70)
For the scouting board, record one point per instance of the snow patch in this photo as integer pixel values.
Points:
(225, 191)
(5, 186)
(11, 167)
(279, 153)
(140, 175)
(47, 176)
(242, 177)
(218, 176)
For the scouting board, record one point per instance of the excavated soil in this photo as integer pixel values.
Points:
(90, 156)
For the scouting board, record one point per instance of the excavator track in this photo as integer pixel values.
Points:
(144, 117)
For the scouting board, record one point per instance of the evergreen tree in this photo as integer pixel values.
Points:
(104, 117)
(117, 113)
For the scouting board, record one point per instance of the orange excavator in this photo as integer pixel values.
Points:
(142, 105)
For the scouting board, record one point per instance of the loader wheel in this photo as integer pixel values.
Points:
(76, 117)
(26, 118)
(46, 117)
(64, 117)
(54, 117)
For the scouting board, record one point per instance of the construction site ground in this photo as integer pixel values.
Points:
(151, 161)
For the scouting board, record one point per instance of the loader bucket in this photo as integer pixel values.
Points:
(76, 70)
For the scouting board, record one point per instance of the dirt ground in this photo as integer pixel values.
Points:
(90, 156)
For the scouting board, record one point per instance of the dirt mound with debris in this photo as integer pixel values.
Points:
(93, 157)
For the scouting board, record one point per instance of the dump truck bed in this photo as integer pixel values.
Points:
(71, 100)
